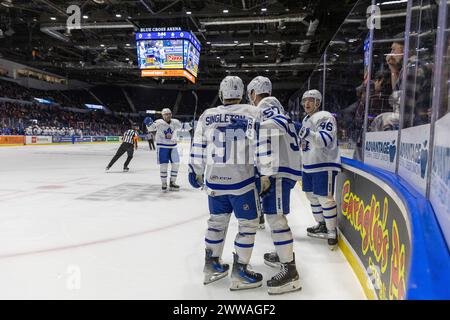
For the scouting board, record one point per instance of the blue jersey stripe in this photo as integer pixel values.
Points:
(327, 134)
(333, 207)
(289, 170)
(322, 165)
(280, 123)
(331, 217)
(234, 186)
(199, 145)
(166, 145)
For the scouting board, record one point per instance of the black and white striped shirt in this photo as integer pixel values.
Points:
(129, 135)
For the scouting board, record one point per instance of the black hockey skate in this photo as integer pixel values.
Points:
(126, 169)
(214, 270)
(318, 231)
(272, 260)
(332, 239)
(262, 222)
(242, 277)
(287, 280)
(174, 187)
(164, 186)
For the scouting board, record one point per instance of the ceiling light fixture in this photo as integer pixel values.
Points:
(225, 11)
(7, 3)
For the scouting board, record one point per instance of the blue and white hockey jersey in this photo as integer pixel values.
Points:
(166, 133)
(226, 157)
(278, 142)
(320, 150)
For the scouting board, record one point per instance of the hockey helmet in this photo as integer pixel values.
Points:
(259, 85)
(231, 88)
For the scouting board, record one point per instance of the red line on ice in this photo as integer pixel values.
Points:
(96, 242)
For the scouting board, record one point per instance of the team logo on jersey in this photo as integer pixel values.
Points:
(168, 133)
(246, 207)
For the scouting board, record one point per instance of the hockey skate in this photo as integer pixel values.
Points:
(261, 222)
(126, 169)
(174, 187)
(242, 277)
(287, 280)
(271, 259)
(164, 186)
(107, 168)
(318, 231)
(332, 239)
(214, 270)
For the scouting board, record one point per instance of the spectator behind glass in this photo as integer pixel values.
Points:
(418, 83)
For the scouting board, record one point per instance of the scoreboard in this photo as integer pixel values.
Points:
(168, 54)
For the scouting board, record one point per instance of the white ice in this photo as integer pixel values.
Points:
(69, 230)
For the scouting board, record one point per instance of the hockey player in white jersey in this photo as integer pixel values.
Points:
(222, 160)
(166, 147)
(280, 169)
(321, 164)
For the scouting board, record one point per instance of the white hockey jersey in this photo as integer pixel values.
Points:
(226, 157)
(278, 143)
(320, 150)
(166, 133)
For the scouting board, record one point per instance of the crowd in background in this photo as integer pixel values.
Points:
(15, 118)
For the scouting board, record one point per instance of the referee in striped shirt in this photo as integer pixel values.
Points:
(129, 144)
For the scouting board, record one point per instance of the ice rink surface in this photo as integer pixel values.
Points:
(69, 230)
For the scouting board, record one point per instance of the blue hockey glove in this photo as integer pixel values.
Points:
(148, 121)
(195, 180)
(238, 124)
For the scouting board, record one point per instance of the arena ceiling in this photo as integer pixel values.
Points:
(283, 39)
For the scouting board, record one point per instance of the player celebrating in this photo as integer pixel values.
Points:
(166, 144)
(277, 139)
(224, 158)
(321, 163)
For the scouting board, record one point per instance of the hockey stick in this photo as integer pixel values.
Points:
(195, 113)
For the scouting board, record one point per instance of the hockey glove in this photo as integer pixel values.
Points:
(304, 132)
(238, 124)
(265, 185)
(148, 121)
(195, 181)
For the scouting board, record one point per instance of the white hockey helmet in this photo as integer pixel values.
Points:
(259, 85)
(166, 111)
(231, 88)
(315, 94)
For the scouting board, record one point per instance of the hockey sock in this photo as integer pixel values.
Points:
(245, 239)
(216, 233)
(329, 212)
(163, 172)
(174, 172)
(281, 236)
(316, 208)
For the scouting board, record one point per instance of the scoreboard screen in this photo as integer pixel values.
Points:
(178, 52)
